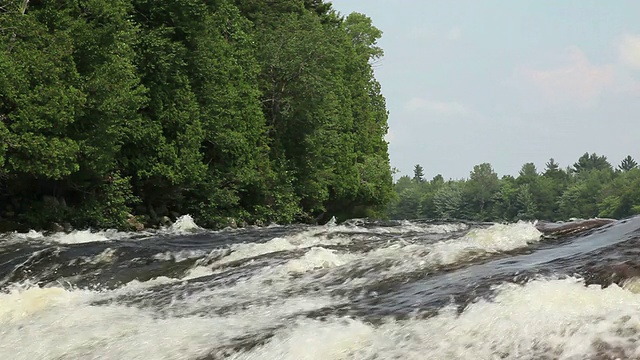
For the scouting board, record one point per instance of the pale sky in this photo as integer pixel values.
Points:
(507, 82)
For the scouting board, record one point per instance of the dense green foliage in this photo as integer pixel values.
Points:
(590, 188)
(253, 110)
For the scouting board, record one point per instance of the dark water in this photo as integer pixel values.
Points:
(358, 290)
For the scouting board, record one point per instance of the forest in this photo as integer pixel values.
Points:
(589, 188)
(125, 113)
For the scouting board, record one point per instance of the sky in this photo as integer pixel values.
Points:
(506, 82)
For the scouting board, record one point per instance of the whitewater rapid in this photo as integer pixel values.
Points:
(356, 290)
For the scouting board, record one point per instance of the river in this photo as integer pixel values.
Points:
(354, 290)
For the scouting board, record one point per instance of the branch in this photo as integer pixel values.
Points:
(23, 7)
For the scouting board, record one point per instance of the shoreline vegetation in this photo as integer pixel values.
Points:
(129, 113)
(590, 188)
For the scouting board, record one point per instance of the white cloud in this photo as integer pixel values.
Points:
(576, 80)
(438, 107)
(629, 50)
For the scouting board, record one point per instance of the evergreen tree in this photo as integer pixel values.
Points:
(627, 164)
(589, 162)
(244, 109)
(418, 173)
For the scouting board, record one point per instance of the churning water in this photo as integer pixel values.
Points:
(357, 290)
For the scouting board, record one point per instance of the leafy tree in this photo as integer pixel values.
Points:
(364, 36)
(621, 197)
(594, 190)
(448, 201)
(259, 111)
(525, 203)
(481, 188)
(69, 88)
(506, 206)
(580, 199)
(437, 180)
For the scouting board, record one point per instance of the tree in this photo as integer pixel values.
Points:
(591, 162)
(594, 190)
(551, 166)
(581, 198)
(553, 171)
(448, 201)
(483, 184)
(525, 203)
(364, 36)
(418, 173)
(627, 164)
(528, 172)
(69, 88)
(506, 206)
(437, 180)
(253, 110)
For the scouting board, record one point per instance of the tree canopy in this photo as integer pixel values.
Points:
(251, 110)
(590, 188)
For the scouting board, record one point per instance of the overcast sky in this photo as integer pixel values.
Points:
(507, 82)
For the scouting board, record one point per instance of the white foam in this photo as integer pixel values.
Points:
(269, 281)
(632, 284)
(180, 256)
(31, 235)
(560, 319)
(196, 272)
(24, 301)
(135, 286)
(304, 240)
(408, 226)
(497, 238)
(67, 326)
(405, 227)
(398, 258)
(403, 257)
(16, 237)
(319, 258)
(107, 256)
(184, 225)
(86, 236)
(267, 284)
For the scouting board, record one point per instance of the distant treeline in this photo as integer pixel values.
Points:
(589, 188)
(249, 110)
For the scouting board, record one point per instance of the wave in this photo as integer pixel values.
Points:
(184, 225)
(308, 295)
(68, 326)
(544, 319)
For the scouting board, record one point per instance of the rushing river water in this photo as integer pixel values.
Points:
(357, 290)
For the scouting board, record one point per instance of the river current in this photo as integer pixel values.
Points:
(355, 290)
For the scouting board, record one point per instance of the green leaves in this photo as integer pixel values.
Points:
(588, 190)
(40, 156)
(627, 164)
(364, 35)
(253, 110)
